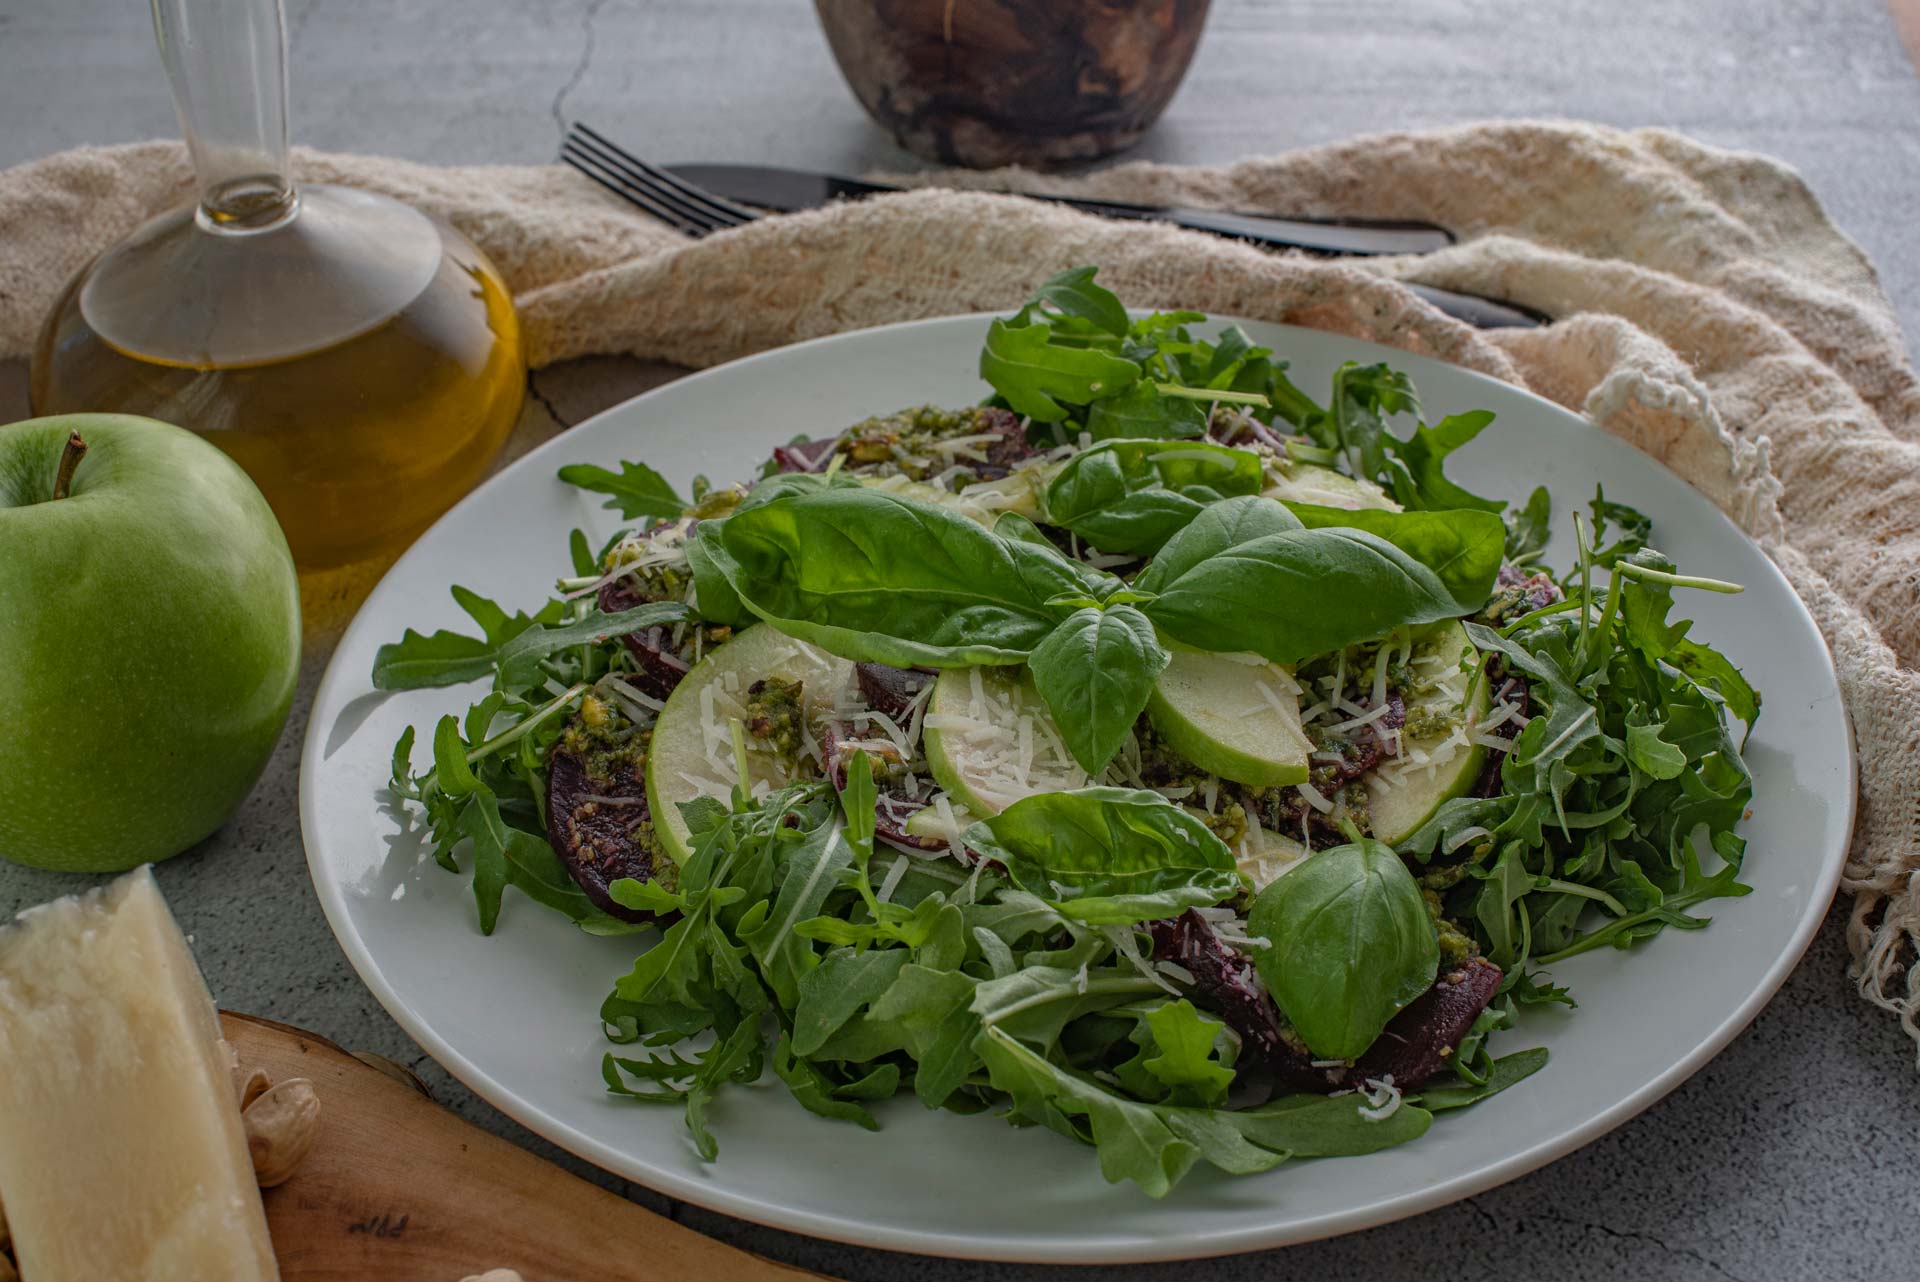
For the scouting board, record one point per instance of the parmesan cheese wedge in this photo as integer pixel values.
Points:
(122, 1156)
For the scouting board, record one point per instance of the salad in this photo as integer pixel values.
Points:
(1152, 753)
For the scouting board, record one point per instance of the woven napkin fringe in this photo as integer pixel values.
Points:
(1712, 315)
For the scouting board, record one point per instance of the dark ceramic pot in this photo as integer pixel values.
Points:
(996, 82)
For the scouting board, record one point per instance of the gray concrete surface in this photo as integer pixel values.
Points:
(1792, 1156)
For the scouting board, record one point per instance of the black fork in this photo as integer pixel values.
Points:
(680, 205)
(698, 212)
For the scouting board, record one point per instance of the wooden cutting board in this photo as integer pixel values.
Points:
(400, 1190)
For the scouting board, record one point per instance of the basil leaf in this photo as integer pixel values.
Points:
(1142, 413)
(1327, 1126)
(1132, 496)
(1222, 525)
(1094, 672)
(714, 598)
(1109, 856)
(1035, 374)
(874, 576)
(1350, 944)
(1073, 293)
(635, 491)
(782, 484)
(1298, 593)
(1463, 547)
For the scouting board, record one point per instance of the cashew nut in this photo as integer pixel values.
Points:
(494, 1275)
(250, 1084)
(281, 1125)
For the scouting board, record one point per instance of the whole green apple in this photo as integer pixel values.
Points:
(149, 640)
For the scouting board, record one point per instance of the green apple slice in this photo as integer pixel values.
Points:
(989, 741)
(1441, 763)
(692, 751)
(1233, 715)
(1311, 483)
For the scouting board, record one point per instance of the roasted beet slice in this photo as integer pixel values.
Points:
(1007, 453)
(595, 826)
(1507, 689)
(891, 690)
(1225, 982)
(805, 456)
(660, 669)
(1239, 429)
(1418, 1042)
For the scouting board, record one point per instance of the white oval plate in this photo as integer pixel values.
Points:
(514, 1016)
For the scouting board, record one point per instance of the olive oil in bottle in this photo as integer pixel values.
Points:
(359, 359)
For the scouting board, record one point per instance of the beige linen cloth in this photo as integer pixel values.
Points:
(1711, 315)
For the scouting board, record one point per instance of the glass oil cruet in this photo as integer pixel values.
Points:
(360, 359)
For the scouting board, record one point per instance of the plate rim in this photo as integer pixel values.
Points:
(1049, 1249)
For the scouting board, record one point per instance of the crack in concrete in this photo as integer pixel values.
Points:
(1630, 1235)
(533, 390)
(587, 18)
(297, 25)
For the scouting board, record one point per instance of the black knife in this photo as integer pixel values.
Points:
(768, 187)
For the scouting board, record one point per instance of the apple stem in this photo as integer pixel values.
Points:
(70, 457)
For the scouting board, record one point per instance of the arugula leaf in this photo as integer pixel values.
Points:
(815, 1092)
(1109, 855)
(1634, 528)
(1464, 548)
(1508, 1070)
(835, 991)
(1142, 413)
(809, 870)
(1132, 496)
(1707, 667)
(519, 659)
(1035, 373)
(933, 1007)
(1177, 1049)
(1094, 672)
(1417, 480)
(1364, 396)
(1073, 293)
(450, 658)
(1647, 750)
(490, 839)
(1351, 943)
(1530, 527)
(636, 490)
(510, 647)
